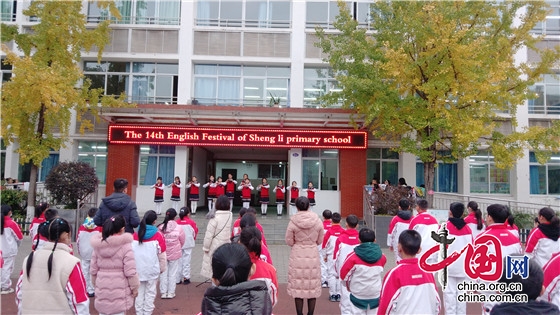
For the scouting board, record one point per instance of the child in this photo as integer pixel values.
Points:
(361, 272)
(174, 241)
(425, 223)
(42, 230)
(310, 194)
(407, 289)
(329, 240)
(51, 281)
(38, 219)
(230, 189)
(151, 260)
(327, 223)
(113, 268)
(246, 188)
(233, 293)
(85, 232)
(194, 186)
(461, 232)
(176, 192)
(211, 196)
(220, 187)
(551, 282)
(294, 194)
(543, 241)
(342, 248)
(10, 238)
(474, 219)
(158, 195)
(191, 231)
(280, 199)
(263, 188)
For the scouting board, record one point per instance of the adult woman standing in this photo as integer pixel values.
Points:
(304, 233)
(218, 232)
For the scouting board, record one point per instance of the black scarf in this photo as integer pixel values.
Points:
(550, 231)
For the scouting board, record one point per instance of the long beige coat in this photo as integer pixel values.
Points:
(304, 233)
(218, 232)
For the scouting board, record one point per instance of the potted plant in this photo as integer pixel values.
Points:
(274, 100)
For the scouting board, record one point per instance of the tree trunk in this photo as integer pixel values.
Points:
(429, 174)
(31, 194)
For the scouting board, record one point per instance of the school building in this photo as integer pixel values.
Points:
(232, 86)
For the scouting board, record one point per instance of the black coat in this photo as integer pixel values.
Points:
(249, 297)
(118, 203)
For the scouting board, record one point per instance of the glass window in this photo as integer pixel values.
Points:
(2, 158)
(95, 154)
(545, 179)
(163, 12)
(546, 96)
(445, 176)
(382, 164)
(267, 13)
(156, 161)
(273, 172)
(321, 168)
(317, 83)
(8, 9)
(485, 177)
(6, 71)
(44, 169)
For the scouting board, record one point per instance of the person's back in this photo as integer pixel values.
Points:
(551, 282)
(118, 203)
(425, 223)
(399, 223)
(543, 240)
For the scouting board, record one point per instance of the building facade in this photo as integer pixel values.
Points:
(252, 65)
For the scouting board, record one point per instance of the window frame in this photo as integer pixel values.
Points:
(321, 156)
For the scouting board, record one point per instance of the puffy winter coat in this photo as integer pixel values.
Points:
(245, 298)
(218, 231)
(304, 233)
(118, 203)
(174, 239)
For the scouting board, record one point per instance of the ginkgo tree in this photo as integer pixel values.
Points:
(439, 78)
(47, 85)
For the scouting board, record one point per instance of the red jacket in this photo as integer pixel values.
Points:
(279, 192)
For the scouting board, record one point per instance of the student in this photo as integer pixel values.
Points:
(551, 282)
(425, 223)
(512, 228)
(361, 272)
(42, 230)
(250, 220)
(176, 192)
(543, 241)
(310, 194)
(85, 233)
(211, 195)
(264, 199)
(327, 224)
(246, 189)
(51, 281)
(232, 292)
(220, 187)
(230, 189)
(151, 260)
(113, 268)
(10, 239)
(294, 194)
(280, 191)
(398, 224)
(251, 239)
(329, 241)
(218, 231)
(407, 289)
(236, 229)
(174, 241)
(194, 192)
(532, 287)
(158, 194)
(474, 220)
(342, 248)
(38, 218)
(461, 232)
(191, 231)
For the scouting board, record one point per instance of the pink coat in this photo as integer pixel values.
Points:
(113, 272)
(304, 233)
(174, 239)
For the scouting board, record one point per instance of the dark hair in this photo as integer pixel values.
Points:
(531, 286)
(248, 219)
(336, 217)
(159, 178)
(251, 210)
(91, 212)
(457, 209)
(477, 214)
(112, 225)
(54, 231)
(183, 212)
(402, 181)
(251, 237)
(510, 218)
(242, 212)
(367, 235)
(499, 213)
(170, 215)
(410, 241)
(327, 214)
(550, 216)
(120, 184)
(40, 208)
(222, 203)
(149, 218)
(302, 203)
(5, 210)
(404, 204)
(231, 264)
(422, 204)
(352, 221)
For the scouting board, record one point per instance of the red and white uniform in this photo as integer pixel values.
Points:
(191, 231)
(194, 191)
(294, 194)
(407, 289)
(264, 192)
(176, 191)
(327, 224)
(471, 222)
(211, 189)
(9, 243)
(551, 281)
(456, 271)
(246, 191)
(280, 190)
(329, 241)
(35, 225)
(425, 223)
(158, 194)
(540, 247)
(396, 227)
(342, 248)
(513, 229)
(230, 187)
(85, 250)
(310, 195)
(267, 273)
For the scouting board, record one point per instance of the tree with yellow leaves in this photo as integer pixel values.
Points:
(440, 77)
(47, 85)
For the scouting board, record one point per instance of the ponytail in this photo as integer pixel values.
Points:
(252, 239)
(183, 212)
(170, 215)
(149, 218)
(550, 216)
(228, 278)
(231, 264)
(113, 225)
(477, 214)
(54, 230)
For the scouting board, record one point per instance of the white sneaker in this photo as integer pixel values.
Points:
(170, 295)
(7, 291)
(164, 295)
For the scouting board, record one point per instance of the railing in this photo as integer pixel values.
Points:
(138, 20)
(369, 217)
(443, 200)
(244, 23)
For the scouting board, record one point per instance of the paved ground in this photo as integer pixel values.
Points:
(189, 296)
